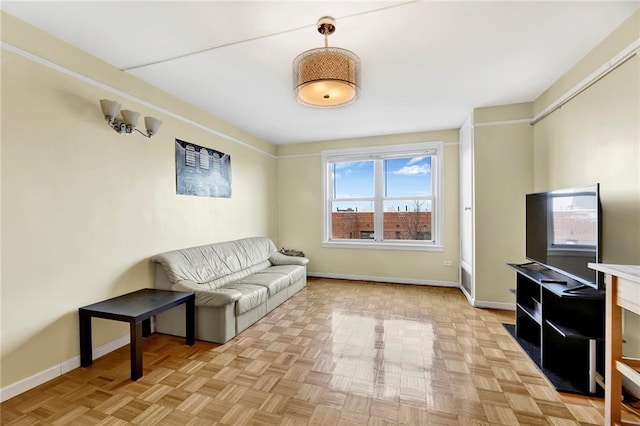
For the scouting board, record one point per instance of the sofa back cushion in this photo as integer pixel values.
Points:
(214, 265)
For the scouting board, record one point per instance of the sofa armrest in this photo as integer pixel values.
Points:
(208, 297)
(278, 258)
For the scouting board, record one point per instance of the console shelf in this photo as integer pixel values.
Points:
(623, 292)
(533, 314)
(630, 368)
(562, 321)
(570, 332)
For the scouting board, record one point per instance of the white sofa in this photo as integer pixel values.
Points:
(235, 282)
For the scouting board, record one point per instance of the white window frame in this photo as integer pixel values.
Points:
(434, 149)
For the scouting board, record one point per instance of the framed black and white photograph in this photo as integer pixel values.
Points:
(201, 171)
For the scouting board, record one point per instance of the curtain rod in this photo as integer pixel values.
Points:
(586, 86)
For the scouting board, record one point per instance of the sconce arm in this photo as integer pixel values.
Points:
(142, 133)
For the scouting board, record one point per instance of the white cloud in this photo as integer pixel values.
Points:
(352, 164)
(413, 170)
(349, 168)
(415, 160)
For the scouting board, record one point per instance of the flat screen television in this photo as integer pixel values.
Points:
(564, 231)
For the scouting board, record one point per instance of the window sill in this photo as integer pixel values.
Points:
(381, 246)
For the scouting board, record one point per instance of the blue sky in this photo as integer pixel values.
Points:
(404, 177)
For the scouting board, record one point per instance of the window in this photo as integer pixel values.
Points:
(204, 158)
(366, 235)
(574, 221)
(190, 156)
(383, 197)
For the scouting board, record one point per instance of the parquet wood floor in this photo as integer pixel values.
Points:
(337, 353)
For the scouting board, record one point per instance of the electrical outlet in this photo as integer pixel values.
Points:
(447, 263)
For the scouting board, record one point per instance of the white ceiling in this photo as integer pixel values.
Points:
(425, 64)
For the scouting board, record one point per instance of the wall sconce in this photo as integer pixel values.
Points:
(129, 121)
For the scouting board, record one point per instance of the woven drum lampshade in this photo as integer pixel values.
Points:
(328, 76)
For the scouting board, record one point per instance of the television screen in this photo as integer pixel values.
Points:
(563, 231)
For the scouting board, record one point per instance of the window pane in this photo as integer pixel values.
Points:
(407, 220)
(352, 220)
(409, 176)
(352, 179)
(574, 220)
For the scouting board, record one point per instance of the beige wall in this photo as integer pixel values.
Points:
(596, 138)
(300, 215)
(84, 208)
(503, 167)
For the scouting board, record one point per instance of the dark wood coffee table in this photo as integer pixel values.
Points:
(136, 308)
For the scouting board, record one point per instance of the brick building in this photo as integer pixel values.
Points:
(349, 224)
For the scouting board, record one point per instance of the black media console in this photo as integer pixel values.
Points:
(560, 324)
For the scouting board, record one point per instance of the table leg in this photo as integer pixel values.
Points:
(136, 350)
(190, 321)
(86, 351)
(146, 327)
(613, 352)
(592, 365)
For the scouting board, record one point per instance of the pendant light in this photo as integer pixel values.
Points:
(326, 77)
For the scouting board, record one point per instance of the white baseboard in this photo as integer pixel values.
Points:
(466, 294)
(488, 305)
(37, 379)
(383, 279)
(494, 305)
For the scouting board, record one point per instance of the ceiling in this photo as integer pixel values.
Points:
(425, 64)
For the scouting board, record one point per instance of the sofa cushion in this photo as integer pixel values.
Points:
(210, 265)
(274, 281)
(237, 276)
(252, 296)
(294, 272)
(208, 297)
